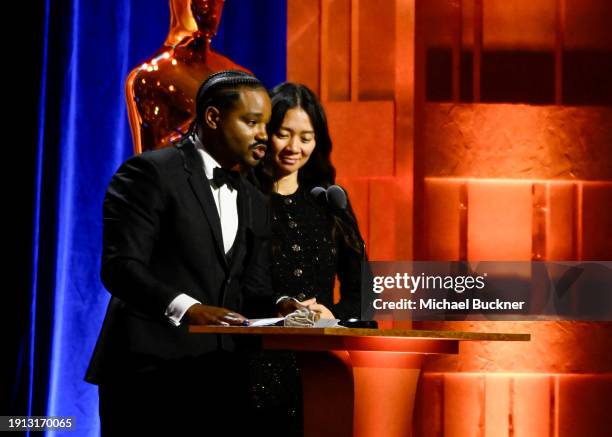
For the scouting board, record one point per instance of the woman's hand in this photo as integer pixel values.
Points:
(318, 308)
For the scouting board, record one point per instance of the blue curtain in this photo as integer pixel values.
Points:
(88, 49)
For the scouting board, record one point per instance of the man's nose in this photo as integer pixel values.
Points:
(261, 134)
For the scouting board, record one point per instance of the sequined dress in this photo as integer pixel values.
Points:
(306, 257)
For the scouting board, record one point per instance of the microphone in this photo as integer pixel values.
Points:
(317, 191)
(319, 194)
(336, 197)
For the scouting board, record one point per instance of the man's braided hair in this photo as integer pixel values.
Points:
(221, 90)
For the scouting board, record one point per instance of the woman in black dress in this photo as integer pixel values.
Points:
(314, 241)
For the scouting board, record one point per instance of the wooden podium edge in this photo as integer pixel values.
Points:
(360, 332)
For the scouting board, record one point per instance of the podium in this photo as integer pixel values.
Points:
(359, 382)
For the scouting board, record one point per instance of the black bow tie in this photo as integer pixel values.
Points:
(222, 176)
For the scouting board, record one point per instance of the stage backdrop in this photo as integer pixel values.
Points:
(89, 49)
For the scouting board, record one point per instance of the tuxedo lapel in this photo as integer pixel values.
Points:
(201, 188)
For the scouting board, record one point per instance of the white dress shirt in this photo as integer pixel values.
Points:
(227, 207)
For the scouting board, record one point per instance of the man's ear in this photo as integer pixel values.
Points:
(211, 117)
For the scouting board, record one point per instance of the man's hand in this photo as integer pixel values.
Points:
(287, 306)
(199, 314)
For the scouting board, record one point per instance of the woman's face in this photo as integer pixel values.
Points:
(293, 143)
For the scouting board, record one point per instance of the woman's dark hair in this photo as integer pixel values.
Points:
(318, 170)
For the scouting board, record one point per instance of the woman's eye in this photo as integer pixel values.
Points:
(252, 122)
(282, 136)
(306, 140)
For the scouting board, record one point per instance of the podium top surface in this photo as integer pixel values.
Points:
(361, 332)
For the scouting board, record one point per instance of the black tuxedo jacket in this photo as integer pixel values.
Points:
(162, 237)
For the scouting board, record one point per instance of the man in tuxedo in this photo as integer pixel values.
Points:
(185, 242)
